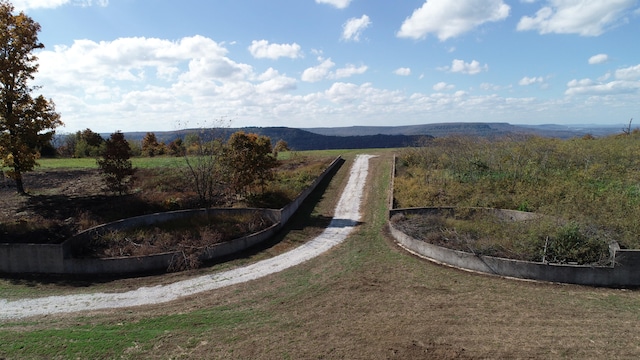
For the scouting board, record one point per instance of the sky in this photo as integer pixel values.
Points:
(162, 65)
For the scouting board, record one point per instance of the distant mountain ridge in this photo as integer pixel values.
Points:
(297, 139)
(474, 129)
(363, 137)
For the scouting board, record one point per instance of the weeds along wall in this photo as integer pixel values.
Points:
(624, 271)
(58, 259)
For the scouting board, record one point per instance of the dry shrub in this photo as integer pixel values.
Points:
(84, 220)
(188, 238)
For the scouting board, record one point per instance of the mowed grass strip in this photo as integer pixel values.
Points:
(90, 163)
(160, 161)
(91, 340)
(365, 299)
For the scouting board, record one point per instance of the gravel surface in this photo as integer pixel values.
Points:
(346, 217)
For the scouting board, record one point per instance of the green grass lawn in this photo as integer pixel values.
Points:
(166, 161)
(90, 163)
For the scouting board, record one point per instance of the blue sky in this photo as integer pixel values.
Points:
(154, 65)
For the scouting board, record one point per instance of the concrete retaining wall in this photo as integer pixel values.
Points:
(25, 258)
(287, 212)
(161, 262)
(58, 258)
(625, 271)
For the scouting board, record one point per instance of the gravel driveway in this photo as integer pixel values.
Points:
(346, 216)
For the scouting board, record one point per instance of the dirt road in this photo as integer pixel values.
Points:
(346, 217)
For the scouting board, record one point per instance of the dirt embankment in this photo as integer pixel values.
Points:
(54, 207)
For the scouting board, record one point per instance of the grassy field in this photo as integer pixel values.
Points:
(152, 162)
(90, 163)
(365, 299)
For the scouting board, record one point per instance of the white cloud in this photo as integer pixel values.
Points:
(323, 71)
(87, 3)
(588, 87)
(626, 81)
(403, 71)
(348, 71)
(490, 87)
(525, 81)
(148, 84)
(343, 92)
(583, 17)
(340, 4)
(261, 49)
(89, 62)
(318, 73)
(459, 66)
(38, 4)
(449, 19)
(442, 86)
(598, 59)
(353, 28)
(51, 4)
(629, 73)
(137, 83)
(273, 82)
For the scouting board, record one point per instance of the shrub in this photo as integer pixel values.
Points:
(572, 245)
(115, 165)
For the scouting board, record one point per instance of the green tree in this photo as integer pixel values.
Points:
(26, 123)
(115, 164)
(88, 144)
(92, 138)
(249, 160)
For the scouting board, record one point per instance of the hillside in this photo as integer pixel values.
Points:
(298, 139)
(473, 129)
(363, 137)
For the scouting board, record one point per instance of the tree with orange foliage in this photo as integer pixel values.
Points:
(26, 123)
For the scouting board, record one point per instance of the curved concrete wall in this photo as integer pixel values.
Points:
(161, 262)
(146, 220)
(625, 271)
(58, 258)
